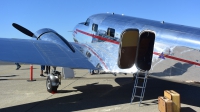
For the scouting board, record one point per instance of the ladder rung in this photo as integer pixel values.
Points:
(136, 85)
(141, 77)
(137, 96)
(139, 87)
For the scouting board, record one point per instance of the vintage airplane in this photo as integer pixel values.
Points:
(113, 43)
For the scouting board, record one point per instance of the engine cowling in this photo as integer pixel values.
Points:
(47, 34)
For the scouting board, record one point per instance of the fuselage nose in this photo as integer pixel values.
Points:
(82, 33)
(75, 33)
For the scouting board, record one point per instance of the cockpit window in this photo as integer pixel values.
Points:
(94, 27)
(111, 32)
(87, 23)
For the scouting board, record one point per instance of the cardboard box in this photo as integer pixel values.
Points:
(164, 104)
(175, 97)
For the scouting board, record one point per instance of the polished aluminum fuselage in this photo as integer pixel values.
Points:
(179, 45)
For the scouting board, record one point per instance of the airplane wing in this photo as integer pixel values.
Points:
(41, 53)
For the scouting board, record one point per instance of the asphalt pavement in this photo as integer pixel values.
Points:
(85, 92)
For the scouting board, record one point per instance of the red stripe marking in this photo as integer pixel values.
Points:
(99, 37)
(115, 42)
(96, 55)
(178, 59)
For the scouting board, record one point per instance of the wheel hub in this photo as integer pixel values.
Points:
(48, 84)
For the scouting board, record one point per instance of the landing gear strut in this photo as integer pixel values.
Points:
(53, 81)
(94, 72)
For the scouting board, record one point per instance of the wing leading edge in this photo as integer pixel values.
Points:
(41, 53)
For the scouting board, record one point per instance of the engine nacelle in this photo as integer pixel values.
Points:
(47, 34)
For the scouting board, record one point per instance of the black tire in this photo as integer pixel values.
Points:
(92, 72)
(50, 88)
(96, 71)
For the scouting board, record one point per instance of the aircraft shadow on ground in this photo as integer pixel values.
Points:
(9, 75)
(6, 76)
(26, 68)
(101, 95)
(3, 79)
(187, 109)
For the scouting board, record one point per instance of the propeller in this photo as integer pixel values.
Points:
(23, 30)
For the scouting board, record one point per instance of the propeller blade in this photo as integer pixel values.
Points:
(23, 30)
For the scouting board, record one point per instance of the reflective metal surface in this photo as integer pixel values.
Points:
(42, 53)
(105, 54)
(47, 34)
(176, 48)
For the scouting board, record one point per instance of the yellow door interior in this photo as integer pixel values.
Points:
(128, 47)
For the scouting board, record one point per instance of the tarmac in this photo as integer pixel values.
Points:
(85, 92)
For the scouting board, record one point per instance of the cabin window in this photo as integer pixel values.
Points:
(94, 27)
(111, 32)
(88, 54)
(87, 23)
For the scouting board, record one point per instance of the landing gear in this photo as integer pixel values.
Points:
(53, 81)
(115, 74)
(94, 72)
(50, 87)
(97, 70)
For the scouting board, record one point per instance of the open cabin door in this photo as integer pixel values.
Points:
(136, 49)
(145, 50)
(128, 48)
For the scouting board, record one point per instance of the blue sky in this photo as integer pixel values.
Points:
(63, 15)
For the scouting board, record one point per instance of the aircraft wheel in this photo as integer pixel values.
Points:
(50, 87)
(96, 71)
